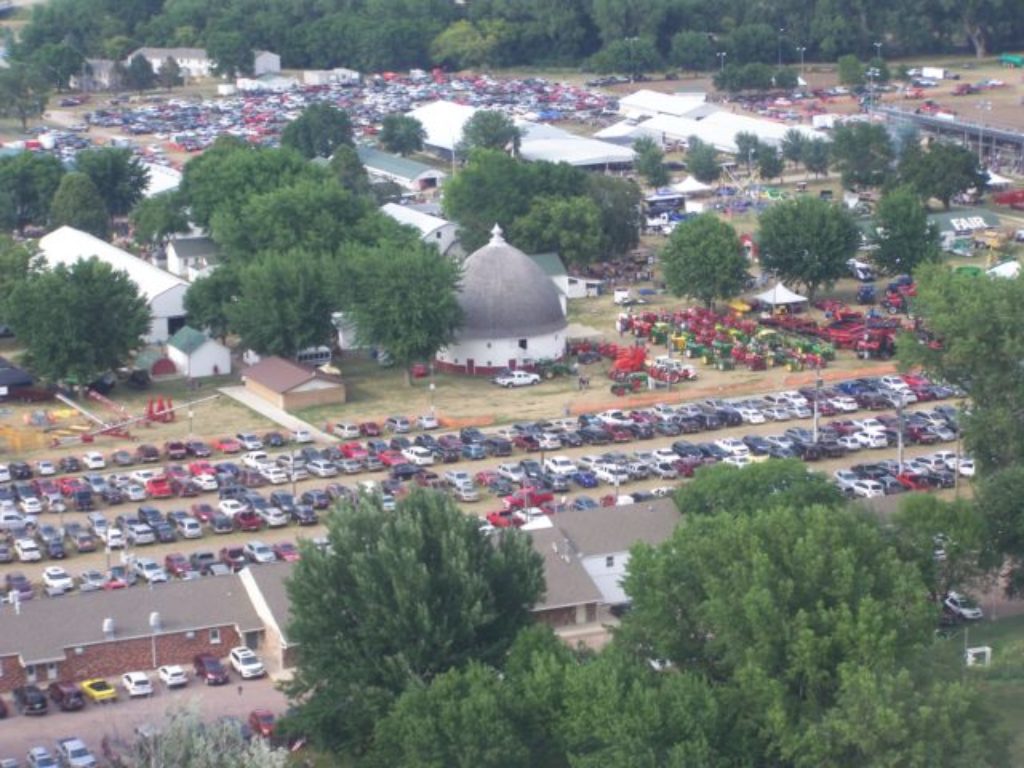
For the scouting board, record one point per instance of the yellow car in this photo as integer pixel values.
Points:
(99, 690)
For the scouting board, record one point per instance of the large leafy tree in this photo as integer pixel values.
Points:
(631, 56)
(808, 626)
(808, 241)
(816, 157)
(158, 217)
(118, 175)
(139, 75)
(650, 161)
(403, 299)
(77, 322)
(349, 170)
(28, 181)
(402, 134)
(489, 129)
(905, 237)
(863, 153)
(794, 144)
(943, 171)
(169, 74)
(209, 299)
(618, 201)
(396, 601)
(704, 260)
(769, 163)
(15, 261)
(571, 226)
(59, 63)
(23, 92)
(702, 161)
(318, 131)
(692, 50)
(77, 203)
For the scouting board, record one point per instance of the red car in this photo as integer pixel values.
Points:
(920, 434)
(68, 486)
(248, 521)
(201, 468)
(233, 557)
(261, 721)
(843, 427)
(619, 434)
(506, 518)
(175, 450)
(913, 481)
(528, 497)
(159, 488)
(353, 451)
(227, 445)
(369, 429)
(203, 512)
(527, 443)
(287, 552)
(485, 477)
(177, 564)
(391, 458)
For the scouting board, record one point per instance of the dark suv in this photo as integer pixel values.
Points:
(209, 669)
(29, 700)
(67, 696)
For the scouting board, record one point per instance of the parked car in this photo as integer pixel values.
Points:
(29, 700)
(962, 607)
(98, 690)
(509, 379)
(172, 676)
(67, 696)
(246, 663)
(262, 723)
(137, 684)
(72, 753)
(209, 669)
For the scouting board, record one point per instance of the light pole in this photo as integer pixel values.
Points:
(817, 399)
(801, 50)
(987, 107)
(154, 626)
(721, 59)
(899, 437)
(782, 31)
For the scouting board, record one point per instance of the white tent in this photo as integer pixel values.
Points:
(995, 180)
(647, 103)
(1009, 269)
(690, 186)
(555, 145)
(779, 295)
(443, 122)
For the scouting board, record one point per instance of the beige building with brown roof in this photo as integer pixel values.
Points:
(291, 386)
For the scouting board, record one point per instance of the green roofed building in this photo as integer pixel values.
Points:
(196, 355)
(412, 175)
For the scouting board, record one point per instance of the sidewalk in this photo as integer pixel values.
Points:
(275, 414)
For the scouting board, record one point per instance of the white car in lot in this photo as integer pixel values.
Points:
(871, 439)
(549, 441)
(612, 474)
(249, 441)
(418, 456)
(273, 474)
(204, 482)
(844, 404)
(256, 459)
(246, 663)
(231, 507)
(56, 580)
(44, 468)
(665, 454)
(511, 472)
(868, 489)
(94, 460)
(274, 517)
(733, 446)
(345, 430)
(962, 607)
(322, 468)
(664, 470)
(112, 537)
(750, 415)
(27, 550)
(150, 570)
(190, 528)
(845, 478)
(850, 442)
(516, 379)
(136, 684)
(737, 461)
(302, 436)
(172, 676)
(559, 465)
(428, 421)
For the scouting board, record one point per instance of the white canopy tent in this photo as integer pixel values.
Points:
(690, 186)
(779, 295)
(1008, 269)
(997, 181)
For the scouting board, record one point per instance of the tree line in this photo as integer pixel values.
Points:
(636, 36)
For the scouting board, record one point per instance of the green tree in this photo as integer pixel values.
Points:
(401, 134)
(169, 74)
(786, 78)
(28, 181)
(747, 147)
(23, 92)
(156, 218)
(1000, 504)
(943, 171)
(77, 203)
(489, 129)
(396, 282)
(570, 226)
(350, 171)
(702, 161)
(461, 45)
(704, 260)
(808, 625)
(230, 50)
(50, 306)
(632, 57)
(718, 490)
(816, 157)
(209, 298)
(459, 719)
(769, 163)
(399, 599)
(754, 76)
(618, 202)
(808, 241)
(863, 153)
(318, 131)
(139, 76)
(794, 143)
(650, 161)
(491, 188)
(692, 50)
(851, 71)
(905, 237)
(120, 177)
(15, 260)
(284, 303)
(59, 63)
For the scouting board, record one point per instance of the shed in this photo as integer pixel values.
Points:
(291, 386)
(196, 355)
(407, 173)
(163, 292)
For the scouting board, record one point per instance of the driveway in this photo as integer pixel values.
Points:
(277, 415)
(19, 733)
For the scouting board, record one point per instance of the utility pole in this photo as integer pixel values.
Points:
(801, 50)
(782, 31)
(899, 437)
(721, 59)
(817, 399)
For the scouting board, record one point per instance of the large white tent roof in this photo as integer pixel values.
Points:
(649, 103)
(719, 129)
(443, 122)
(545, 142)
(690, 186)
(779, 294)
(162, 178)
(67, 245)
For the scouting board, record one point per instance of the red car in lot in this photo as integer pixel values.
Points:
(391, 458)
(159, 488)
(528, 497)
(369, 429)
(527, 443)
(505, 518)
(227, 445)
(175, 450)
(287, 552)
(177, 564)
(248, 521)
(201, 468)
(353, 451)
(913, 481)
(69, 486)
(203, 512)
(261, 722)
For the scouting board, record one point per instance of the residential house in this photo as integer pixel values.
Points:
(193, 62)
(191, 257)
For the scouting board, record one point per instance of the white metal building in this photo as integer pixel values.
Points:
(434, 230)
(541, 142)
(265, 63)
(443, 122)
(409, 173)
(163, 292)
(646, 103)
(513, 315)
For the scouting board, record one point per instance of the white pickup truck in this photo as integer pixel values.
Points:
(516, 379)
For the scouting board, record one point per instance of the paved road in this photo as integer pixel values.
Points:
(18, 733)
(275, 414)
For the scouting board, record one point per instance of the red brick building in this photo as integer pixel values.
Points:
(104, 634)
